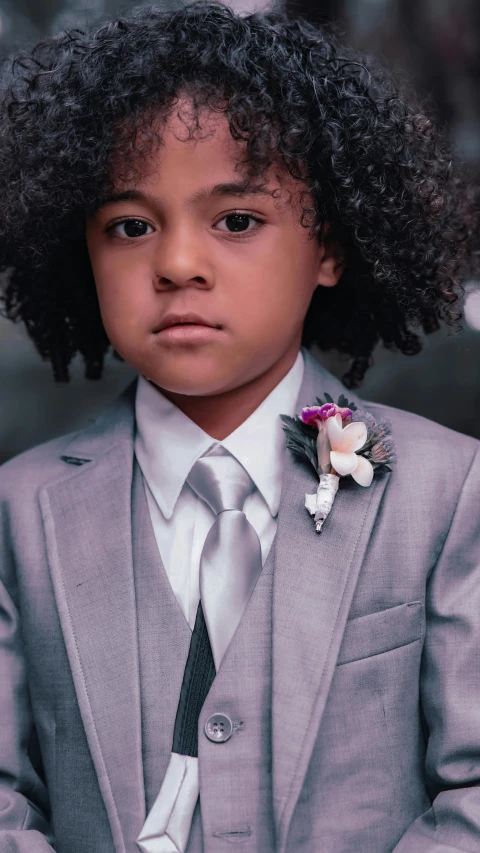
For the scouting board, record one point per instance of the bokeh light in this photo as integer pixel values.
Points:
(472, 305)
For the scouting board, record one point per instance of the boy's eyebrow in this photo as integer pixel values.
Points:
(236, 188)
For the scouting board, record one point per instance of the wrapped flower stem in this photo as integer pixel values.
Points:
(320, 504)
(323, 449)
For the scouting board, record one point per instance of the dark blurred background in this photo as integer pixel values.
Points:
(432, 45)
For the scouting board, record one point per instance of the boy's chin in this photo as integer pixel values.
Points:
(206, 373)
(206, 376)
(195, 384)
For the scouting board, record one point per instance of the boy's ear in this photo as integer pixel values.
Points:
(331, 263)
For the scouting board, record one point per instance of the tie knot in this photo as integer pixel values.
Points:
(221, 482)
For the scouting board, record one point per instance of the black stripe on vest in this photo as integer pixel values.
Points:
(197, 680)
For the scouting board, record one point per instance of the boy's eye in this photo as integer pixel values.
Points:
(132, 228)
(237, 222)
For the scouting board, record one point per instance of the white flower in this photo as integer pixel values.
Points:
(344, 442)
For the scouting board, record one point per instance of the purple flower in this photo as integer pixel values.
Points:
(382, 452)
(315, 415)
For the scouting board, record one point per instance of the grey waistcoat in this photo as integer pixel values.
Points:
(235, 776)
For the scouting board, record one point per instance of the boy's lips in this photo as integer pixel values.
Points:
(185, 328)
(185, 319)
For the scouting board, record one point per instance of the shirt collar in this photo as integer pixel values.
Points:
(168, 443)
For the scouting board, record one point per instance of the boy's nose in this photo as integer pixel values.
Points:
(179, 281)
(180, 262)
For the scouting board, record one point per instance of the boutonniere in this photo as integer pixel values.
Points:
(338, 441)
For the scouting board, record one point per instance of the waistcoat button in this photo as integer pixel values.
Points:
(218, 728)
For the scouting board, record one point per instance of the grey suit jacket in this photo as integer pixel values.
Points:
(375, 648)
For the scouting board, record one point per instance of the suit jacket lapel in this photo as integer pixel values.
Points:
(314, 580)
(87, 518)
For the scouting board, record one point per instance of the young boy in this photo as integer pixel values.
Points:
(186, 664)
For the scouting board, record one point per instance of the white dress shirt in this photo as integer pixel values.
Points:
(167, 445)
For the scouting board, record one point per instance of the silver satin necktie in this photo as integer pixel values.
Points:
(230, 565)
(231, 559)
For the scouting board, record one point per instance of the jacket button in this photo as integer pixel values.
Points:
(218, 728)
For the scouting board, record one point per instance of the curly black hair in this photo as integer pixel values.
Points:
(76, 106)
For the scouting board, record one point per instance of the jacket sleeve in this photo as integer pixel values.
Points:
(23, 797)
(450, 687)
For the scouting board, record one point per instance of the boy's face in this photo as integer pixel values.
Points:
(192, 246)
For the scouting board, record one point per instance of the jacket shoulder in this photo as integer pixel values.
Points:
(412, 434)
(26, 472)
(415, 435)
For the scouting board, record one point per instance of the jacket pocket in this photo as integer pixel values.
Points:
(381, 632)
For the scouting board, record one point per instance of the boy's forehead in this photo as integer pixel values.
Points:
(198, 155)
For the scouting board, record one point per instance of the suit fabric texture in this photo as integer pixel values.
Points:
(355, 669)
